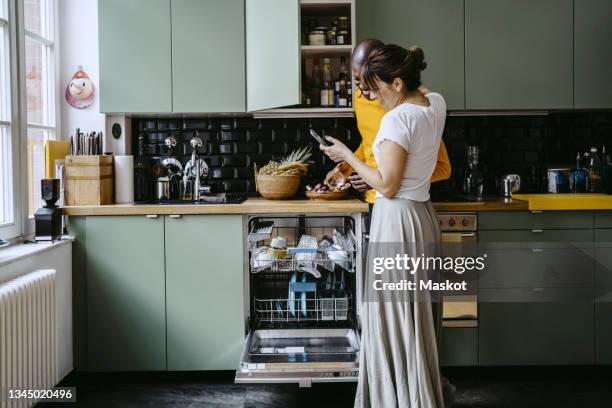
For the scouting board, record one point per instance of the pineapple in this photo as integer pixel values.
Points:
(294, 164)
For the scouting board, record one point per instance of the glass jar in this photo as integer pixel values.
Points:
(316, 37)
(343, 38)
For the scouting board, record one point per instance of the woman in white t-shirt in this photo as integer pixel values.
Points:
(399, 358)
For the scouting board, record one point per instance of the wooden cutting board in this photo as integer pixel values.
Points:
(543, 202)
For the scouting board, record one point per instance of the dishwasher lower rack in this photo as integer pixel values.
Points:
(310, 309)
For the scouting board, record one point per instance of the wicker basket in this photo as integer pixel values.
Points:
(277, 187)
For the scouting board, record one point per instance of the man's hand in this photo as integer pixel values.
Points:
(359, 184)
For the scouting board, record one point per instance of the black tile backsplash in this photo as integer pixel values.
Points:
(526, 145)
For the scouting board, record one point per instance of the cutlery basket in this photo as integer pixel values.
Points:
(89, 180)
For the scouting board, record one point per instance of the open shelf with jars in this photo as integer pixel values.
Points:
(327, 40)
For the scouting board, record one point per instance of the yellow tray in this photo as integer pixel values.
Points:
(542, 202)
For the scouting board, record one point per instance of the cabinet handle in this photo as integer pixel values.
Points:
(537, 231)
(152, 215)
(537, 212)
(537, 250)
(175, 216)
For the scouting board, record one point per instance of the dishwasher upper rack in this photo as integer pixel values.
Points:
(305, 262)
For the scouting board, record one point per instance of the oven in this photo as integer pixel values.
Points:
(303, 277)
(459, 235)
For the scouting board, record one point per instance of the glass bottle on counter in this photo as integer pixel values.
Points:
(579, 176)
(473, 180)
(594, 172)
(605, 171)
(315, 84)
(143, 175)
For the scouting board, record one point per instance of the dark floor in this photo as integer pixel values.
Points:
(558, 387)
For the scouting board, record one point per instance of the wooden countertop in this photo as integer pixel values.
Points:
(301, 206)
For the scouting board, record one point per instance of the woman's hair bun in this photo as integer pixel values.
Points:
(419, 57)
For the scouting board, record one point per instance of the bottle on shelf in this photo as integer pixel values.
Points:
(143, 175)
(342, 95)
(315, 84)
(306, 88)
(594, 172)
(579, 176)
(343, 76)
(327, 90)
(349, 92)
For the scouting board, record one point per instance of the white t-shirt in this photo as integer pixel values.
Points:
(418, 129)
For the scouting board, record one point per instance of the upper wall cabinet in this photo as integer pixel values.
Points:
(135, 56)
(208, 55)
(434, 25)
(593, 53)
(273, 53)
(518, 54)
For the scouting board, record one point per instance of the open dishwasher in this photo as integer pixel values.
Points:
(304, 285)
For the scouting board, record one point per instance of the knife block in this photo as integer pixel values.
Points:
(89, 180)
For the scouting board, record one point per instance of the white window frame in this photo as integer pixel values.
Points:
(23, 225)
(15, 229)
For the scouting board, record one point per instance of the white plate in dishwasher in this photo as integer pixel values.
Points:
(300, 355)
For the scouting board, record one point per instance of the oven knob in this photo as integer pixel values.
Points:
(451, 222)
(465, 222)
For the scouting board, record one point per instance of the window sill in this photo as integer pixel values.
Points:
(15, 252)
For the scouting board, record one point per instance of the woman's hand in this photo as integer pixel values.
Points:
(338, 151)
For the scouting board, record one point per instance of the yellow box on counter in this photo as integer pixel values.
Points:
(566, 202)
(89, 180)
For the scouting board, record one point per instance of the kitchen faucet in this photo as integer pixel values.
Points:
(196, 143)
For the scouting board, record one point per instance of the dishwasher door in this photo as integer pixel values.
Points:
(302, 356)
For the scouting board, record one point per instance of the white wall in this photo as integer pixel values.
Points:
(59, 257)
(78, 36)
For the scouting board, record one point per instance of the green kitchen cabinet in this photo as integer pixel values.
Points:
(135, 56)
(535, 333)
(603, 328)
(208, 56)
(125, 293)
(435, 25)
(204, 292)
(592, 54)
(518, 54)
(459, 346)
(272, 53)
(535, 220)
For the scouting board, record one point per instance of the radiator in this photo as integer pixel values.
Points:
(27, 335)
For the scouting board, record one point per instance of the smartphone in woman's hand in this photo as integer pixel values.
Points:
(318, 138)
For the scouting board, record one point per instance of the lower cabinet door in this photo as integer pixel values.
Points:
(204, 291)
(535, 333)
(126, 317)
(459, 346)
(603, 327)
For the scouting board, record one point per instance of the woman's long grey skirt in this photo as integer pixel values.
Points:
(399, 356)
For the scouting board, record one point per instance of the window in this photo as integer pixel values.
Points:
(40, 90)
(27, 107)
(9, 223)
